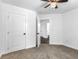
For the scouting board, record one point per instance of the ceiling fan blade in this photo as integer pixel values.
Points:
(62, 1)
(44, 0)
(44, 4)
(47, 6)
(59, 1)
(56, 7)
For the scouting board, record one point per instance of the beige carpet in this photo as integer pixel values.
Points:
(44, 52)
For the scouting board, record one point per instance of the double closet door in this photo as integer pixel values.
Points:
(16, 33)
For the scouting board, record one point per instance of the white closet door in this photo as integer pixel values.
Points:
(16, 32)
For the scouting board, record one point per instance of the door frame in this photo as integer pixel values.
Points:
(37, 20)
(37, 33)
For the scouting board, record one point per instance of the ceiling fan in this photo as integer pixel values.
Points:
(54, 3)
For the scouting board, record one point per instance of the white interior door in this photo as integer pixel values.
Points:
(31, 30)
(16, 32)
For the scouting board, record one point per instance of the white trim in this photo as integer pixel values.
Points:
(60, 43)
(70, 46)
(56, 43)
(31, 46)
(46, 18)
(0, 55)
(9, 51)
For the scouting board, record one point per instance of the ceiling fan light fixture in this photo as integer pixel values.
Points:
(53, 4)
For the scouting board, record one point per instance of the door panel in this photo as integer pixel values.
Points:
(31, 31)
(16, 30)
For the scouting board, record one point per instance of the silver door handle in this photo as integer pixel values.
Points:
(24, 33)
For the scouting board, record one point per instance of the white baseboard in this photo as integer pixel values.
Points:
(56, 43)
(0, 55)
(3, 53)
(30, 46)
(60, 43)
(9, 51)
(70, 46)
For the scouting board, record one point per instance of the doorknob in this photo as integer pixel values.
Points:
(24, 33)
(37, 33)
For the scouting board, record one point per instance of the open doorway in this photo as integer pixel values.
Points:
(44, 31)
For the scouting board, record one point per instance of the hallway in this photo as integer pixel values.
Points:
(44, 52)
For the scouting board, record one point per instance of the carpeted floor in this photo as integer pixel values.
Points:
(44, 52)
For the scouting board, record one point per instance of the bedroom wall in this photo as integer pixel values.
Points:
(63, 28)
(55, 28)
(70, 28)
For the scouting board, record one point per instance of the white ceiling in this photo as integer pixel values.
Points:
(37, 5)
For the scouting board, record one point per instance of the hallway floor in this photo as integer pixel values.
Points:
(44, 52)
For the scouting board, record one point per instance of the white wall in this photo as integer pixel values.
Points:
(30, 22)
(63, 28)
(70, 28)
(55, 25)
(1, 35)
